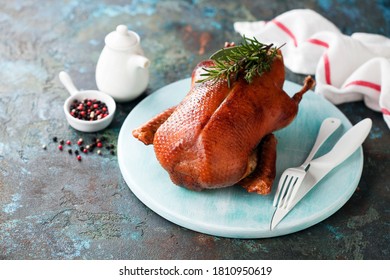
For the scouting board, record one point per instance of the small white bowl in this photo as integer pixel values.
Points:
(83, 125)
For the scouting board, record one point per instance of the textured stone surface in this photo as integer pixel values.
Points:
(53, 207)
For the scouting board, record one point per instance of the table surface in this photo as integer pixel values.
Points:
(54, 207)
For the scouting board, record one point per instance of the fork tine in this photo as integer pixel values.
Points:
(284, 190)
(294, 191)
(282, 180)
(291, 187)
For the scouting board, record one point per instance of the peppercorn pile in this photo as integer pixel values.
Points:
(84, 147)
(89, 109)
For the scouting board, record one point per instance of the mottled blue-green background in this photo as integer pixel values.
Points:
(53, 207)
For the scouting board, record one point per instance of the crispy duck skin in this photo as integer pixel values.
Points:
(220, 136)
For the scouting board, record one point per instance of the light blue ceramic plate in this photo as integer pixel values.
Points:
(232, 212)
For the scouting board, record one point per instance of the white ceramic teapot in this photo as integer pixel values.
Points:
(122, 69)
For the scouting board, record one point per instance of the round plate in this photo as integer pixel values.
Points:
(232, 212)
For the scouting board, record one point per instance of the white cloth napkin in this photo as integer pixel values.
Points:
(346, 68)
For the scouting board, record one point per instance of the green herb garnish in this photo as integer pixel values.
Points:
(250, 58)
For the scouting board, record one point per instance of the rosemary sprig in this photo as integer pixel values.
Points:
(250, 58)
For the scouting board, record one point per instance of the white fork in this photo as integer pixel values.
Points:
(293, 176)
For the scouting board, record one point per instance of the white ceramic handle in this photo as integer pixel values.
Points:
(328, 127)
(67, 82)
(346, 146)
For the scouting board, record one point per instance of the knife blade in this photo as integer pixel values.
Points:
(321, 166)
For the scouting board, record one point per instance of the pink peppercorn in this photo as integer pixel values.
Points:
(83, 110)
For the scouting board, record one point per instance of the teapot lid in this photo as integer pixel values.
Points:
(122, 38)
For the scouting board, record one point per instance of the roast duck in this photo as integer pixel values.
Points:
(221, 134)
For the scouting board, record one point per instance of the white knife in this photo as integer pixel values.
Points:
(321, 166)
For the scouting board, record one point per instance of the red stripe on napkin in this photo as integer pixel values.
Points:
(287, 30)
(318, 42)
(327, 69)
(326, 58)
(365, 84)
(385, 111)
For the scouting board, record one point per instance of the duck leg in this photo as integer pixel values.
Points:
(262, 177)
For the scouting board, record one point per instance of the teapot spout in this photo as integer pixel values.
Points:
(140, 61)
